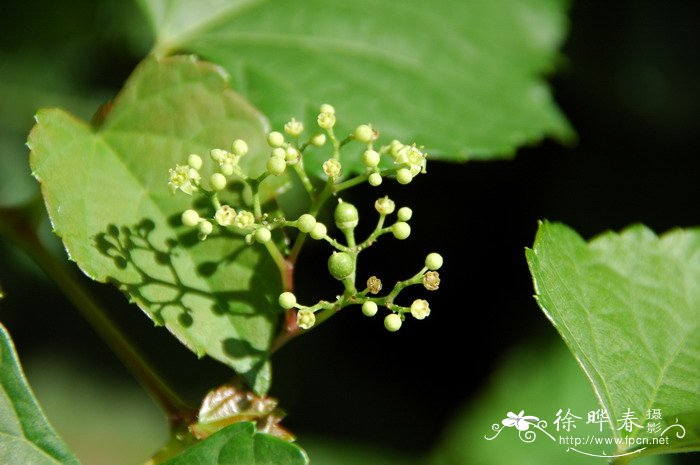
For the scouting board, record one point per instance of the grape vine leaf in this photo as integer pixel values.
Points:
(628, 307)
(462, 78)
(25, 434)
(539, 379)
(239, 444)
(105, 188)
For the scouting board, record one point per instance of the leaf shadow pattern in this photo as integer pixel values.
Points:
(152, 267)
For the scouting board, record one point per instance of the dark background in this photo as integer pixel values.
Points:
(629, 86)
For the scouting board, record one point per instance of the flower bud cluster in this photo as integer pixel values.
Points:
(214, 181)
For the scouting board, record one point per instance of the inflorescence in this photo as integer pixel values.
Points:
(287, 154)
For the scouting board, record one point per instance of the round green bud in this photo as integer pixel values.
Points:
(278, 152)
(190, 218)
(369, 308)
(404, 176)
(239, 147)
(217, 155)
(384, 206)
(292, 156)
(415, 170)
(375, 179)
(217, 181)
(341, 265)
(276, 165)
(392, 322)
(263, 235)
(319, 231)
(326, 108)
(405, 214)
(287, 300)
(195, 161)
(275, 139)
(433, 261)
(346, 216)
(306, 223)
(318, 140)
(370, 158)
(227, 169)
(401, 230)
(364, 133)
(205, 228)
(249, 239)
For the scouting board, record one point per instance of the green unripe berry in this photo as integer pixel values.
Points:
(287, 300)
(401, 230)
(433, 261)
(263, 235)
(195, 161)
(306, 223)
(276, 165)
(375, 179)
(318, 140)
(205, 228)
(404, 176)
(217, 181)
(369, 308)
(346, 216)
(404, 214)
(190, 218)
(239, 147)
(341, 265)
(370, 158)
(392, 322)
(364, 133)
(275, 139)
(319, 231)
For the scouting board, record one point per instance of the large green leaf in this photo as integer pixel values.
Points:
(539, 380)
(106, 192)
(239, 444)
(628, 307)
(463, 78)
(25, 434)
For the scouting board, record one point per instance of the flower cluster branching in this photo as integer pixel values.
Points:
(287, 154)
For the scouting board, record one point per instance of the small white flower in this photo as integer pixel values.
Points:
(225, 215)
(420, 309)
(293, 127)
(185, 178)
(326, 120)
(244, 219)
(520, 421)
(332, 168)
(306, 319)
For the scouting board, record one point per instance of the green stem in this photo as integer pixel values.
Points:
(352, 182)
(316, 205)
(306, 182)
(18, 229)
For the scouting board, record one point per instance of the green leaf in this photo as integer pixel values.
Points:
(106, 192)
(239, 444)
(628, 307)
(539, 380)
(462, 78)
(25, 434)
